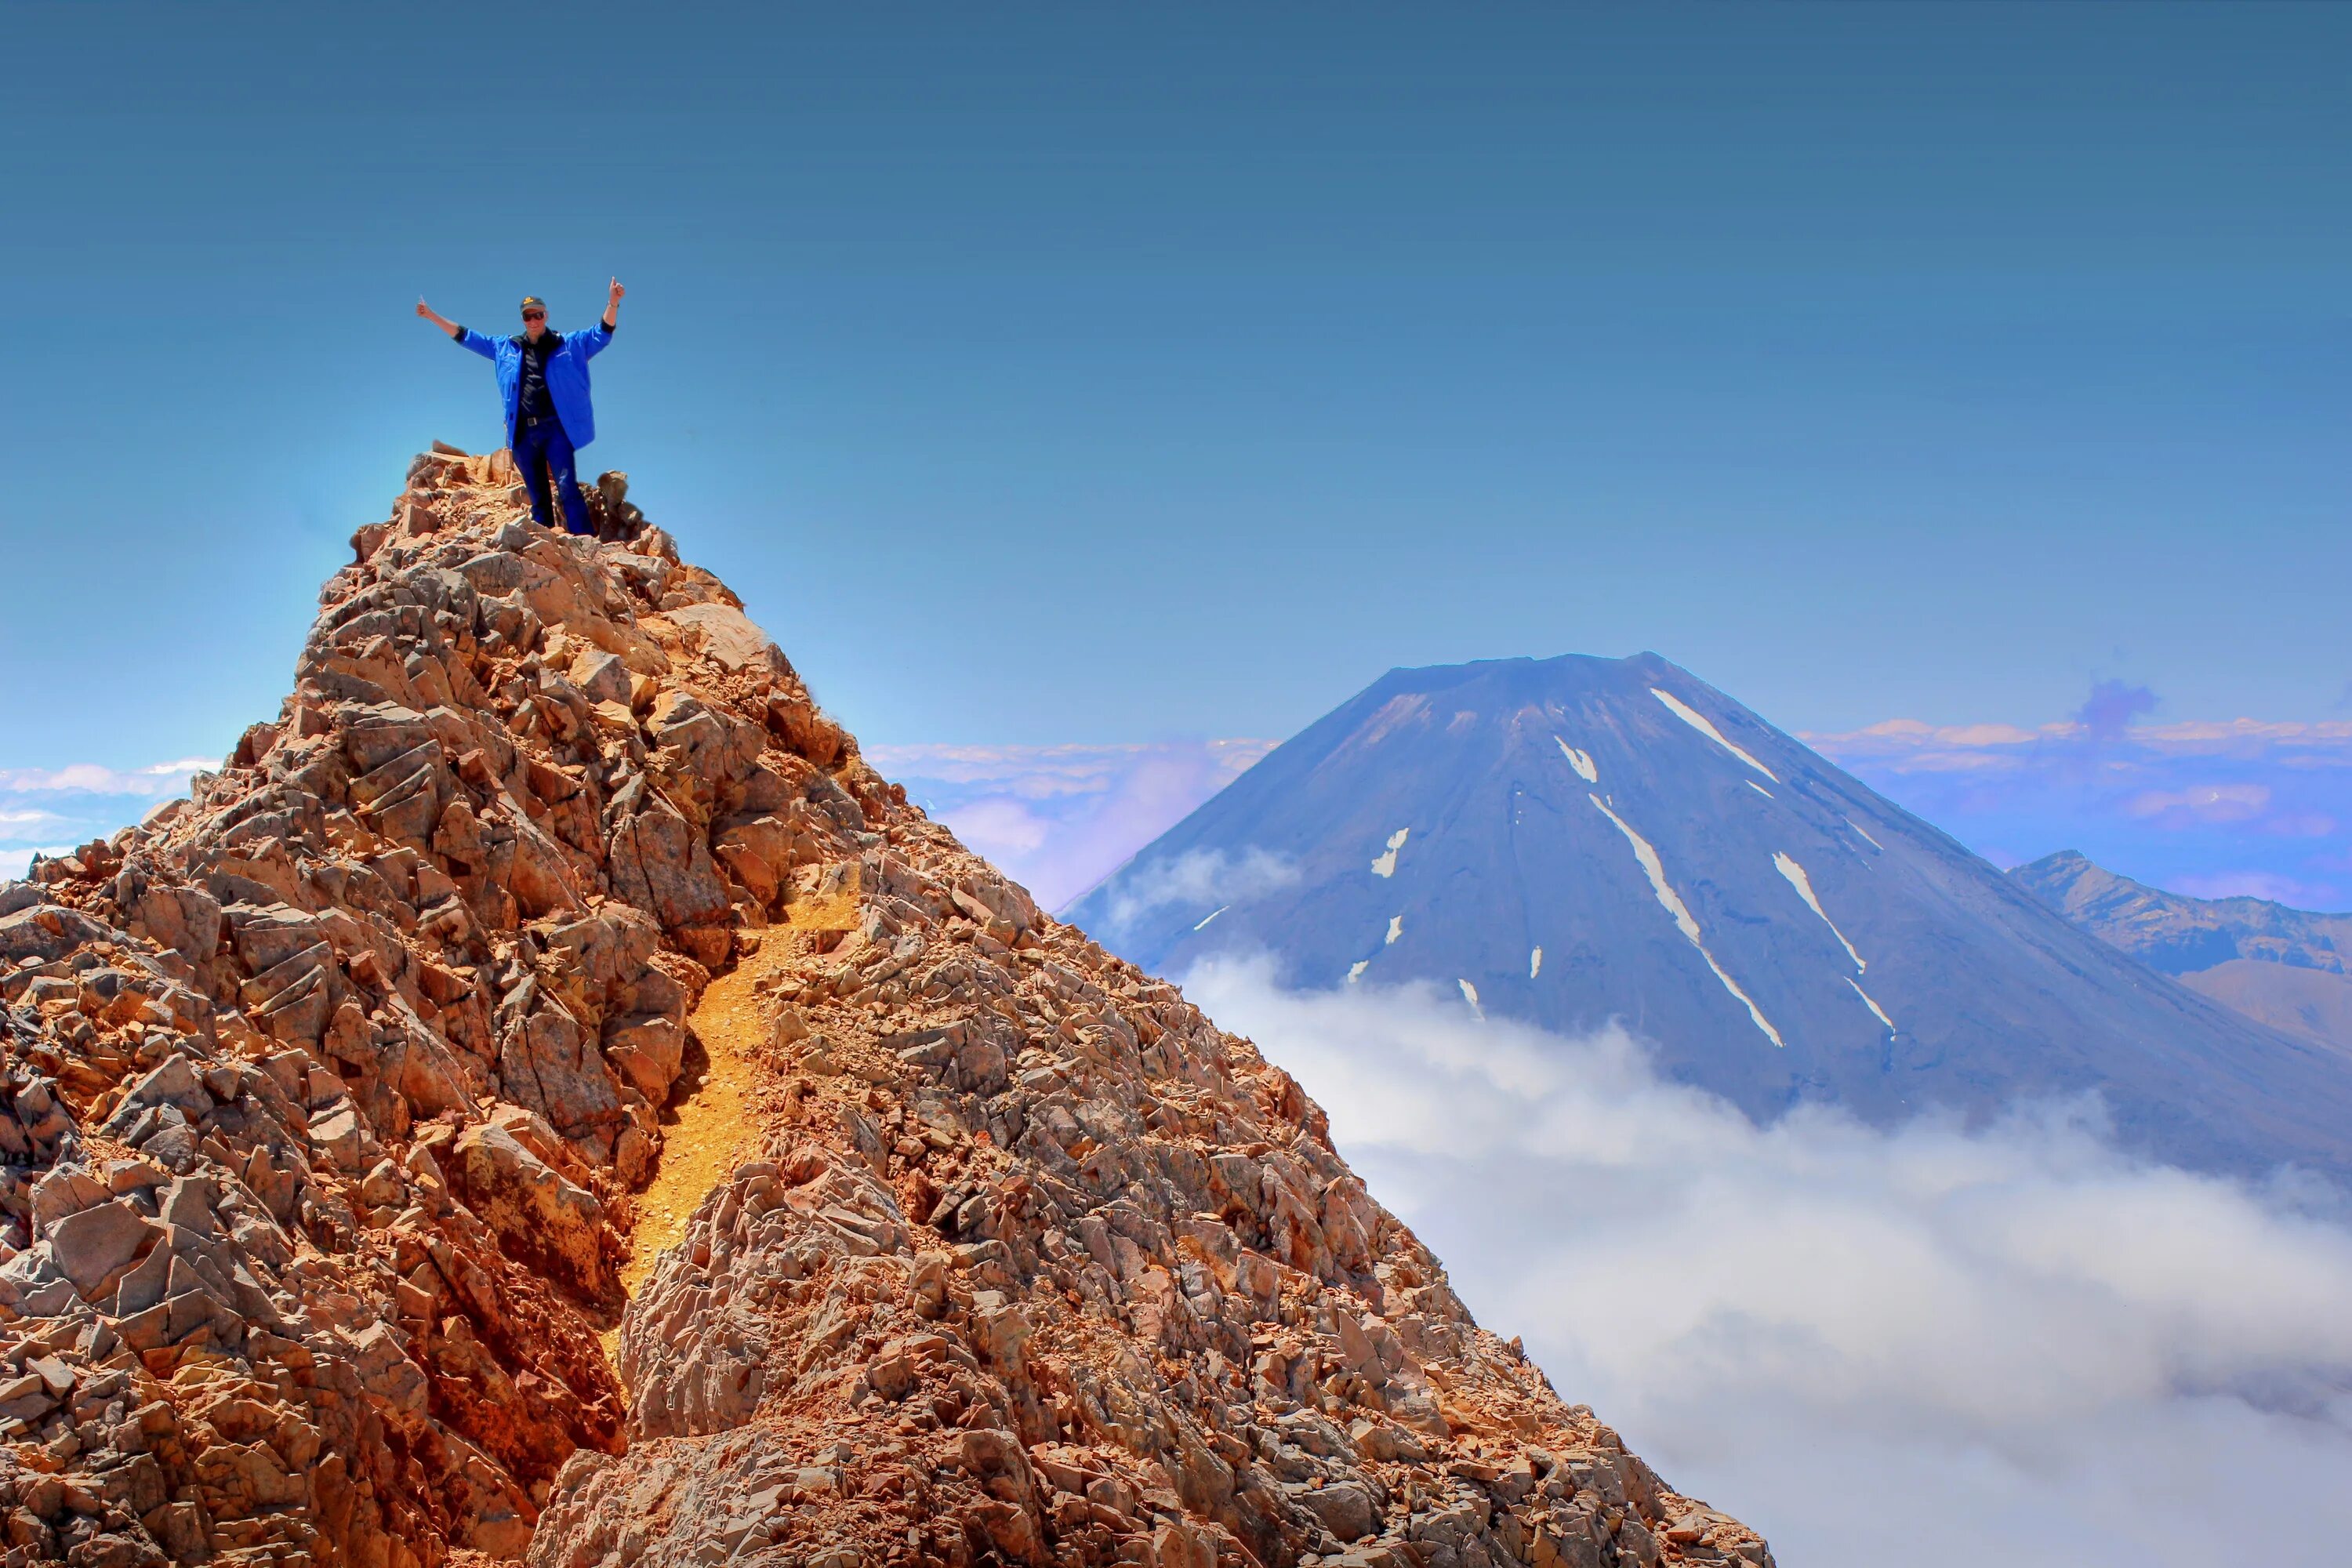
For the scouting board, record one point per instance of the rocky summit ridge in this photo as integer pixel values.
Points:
(370, 1197)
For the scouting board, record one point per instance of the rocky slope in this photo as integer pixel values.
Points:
(2176, 934)
(330, 1097)
(2284, 967)
(1575, 841)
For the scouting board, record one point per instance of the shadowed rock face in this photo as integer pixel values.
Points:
(2284, 967)
(1575, 840)
(325, 1094)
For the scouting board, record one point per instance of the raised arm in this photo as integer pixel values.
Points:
(591, 342)
(464, 338)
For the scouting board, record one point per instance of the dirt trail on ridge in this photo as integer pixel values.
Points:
(718, 1123)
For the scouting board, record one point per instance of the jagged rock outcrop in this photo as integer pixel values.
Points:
(325, 1096)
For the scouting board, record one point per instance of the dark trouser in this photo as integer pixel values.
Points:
(541, 450)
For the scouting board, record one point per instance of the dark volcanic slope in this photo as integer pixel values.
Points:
(2284, 967)
(1577, 839)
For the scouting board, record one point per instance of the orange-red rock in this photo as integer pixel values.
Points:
(327, 1092)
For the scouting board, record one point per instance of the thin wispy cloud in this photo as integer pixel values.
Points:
(159, 779)
(2112, 707)
(1927, 1344)
(2257, 885)
(2184, 804)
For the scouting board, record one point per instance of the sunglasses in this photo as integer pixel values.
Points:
(534, 315)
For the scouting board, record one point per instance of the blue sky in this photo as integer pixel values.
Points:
(1086, 398)
(1111, 377)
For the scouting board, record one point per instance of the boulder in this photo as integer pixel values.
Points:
(46, 932)
(339, 1137)
(601, 676)
(1345, 1509)
(68, 1189)
(186, 920)
(386, 1374)
(647, 1051)
(729, 635)
(93, 1245)
(548, 1063)
(660, 863)
(174, 1082)
(540, 1217)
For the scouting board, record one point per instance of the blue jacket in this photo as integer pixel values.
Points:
(567, 376)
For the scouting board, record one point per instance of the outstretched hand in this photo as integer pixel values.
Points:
(615, 297)
(423, 309)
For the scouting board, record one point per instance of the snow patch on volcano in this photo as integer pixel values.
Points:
(1705, 726)
(1874, 1007)
(1687, 923)
(1797, 879)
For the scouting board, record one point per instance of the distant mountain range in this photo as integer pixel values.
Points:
(2288, 968)
(1577, 840)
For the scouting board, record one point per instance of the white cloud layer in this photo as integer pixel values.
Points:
(46, 810)
(1204, 879)
(1060, 818)
(1927, 1346)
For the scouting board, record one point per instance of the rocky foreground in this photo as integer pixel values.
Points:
(331, 1095)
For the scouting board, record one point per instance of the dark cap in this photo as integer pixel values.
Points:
(530, 299)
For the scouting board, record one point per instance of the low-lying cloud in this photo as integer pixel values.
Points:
(15, 863)
(1058, 819)
(46, 810)
(1203, 878)
(1928, 1345)
(2206, 803)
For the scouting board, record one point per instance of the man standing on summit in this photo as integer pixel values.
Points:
(543, 379)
